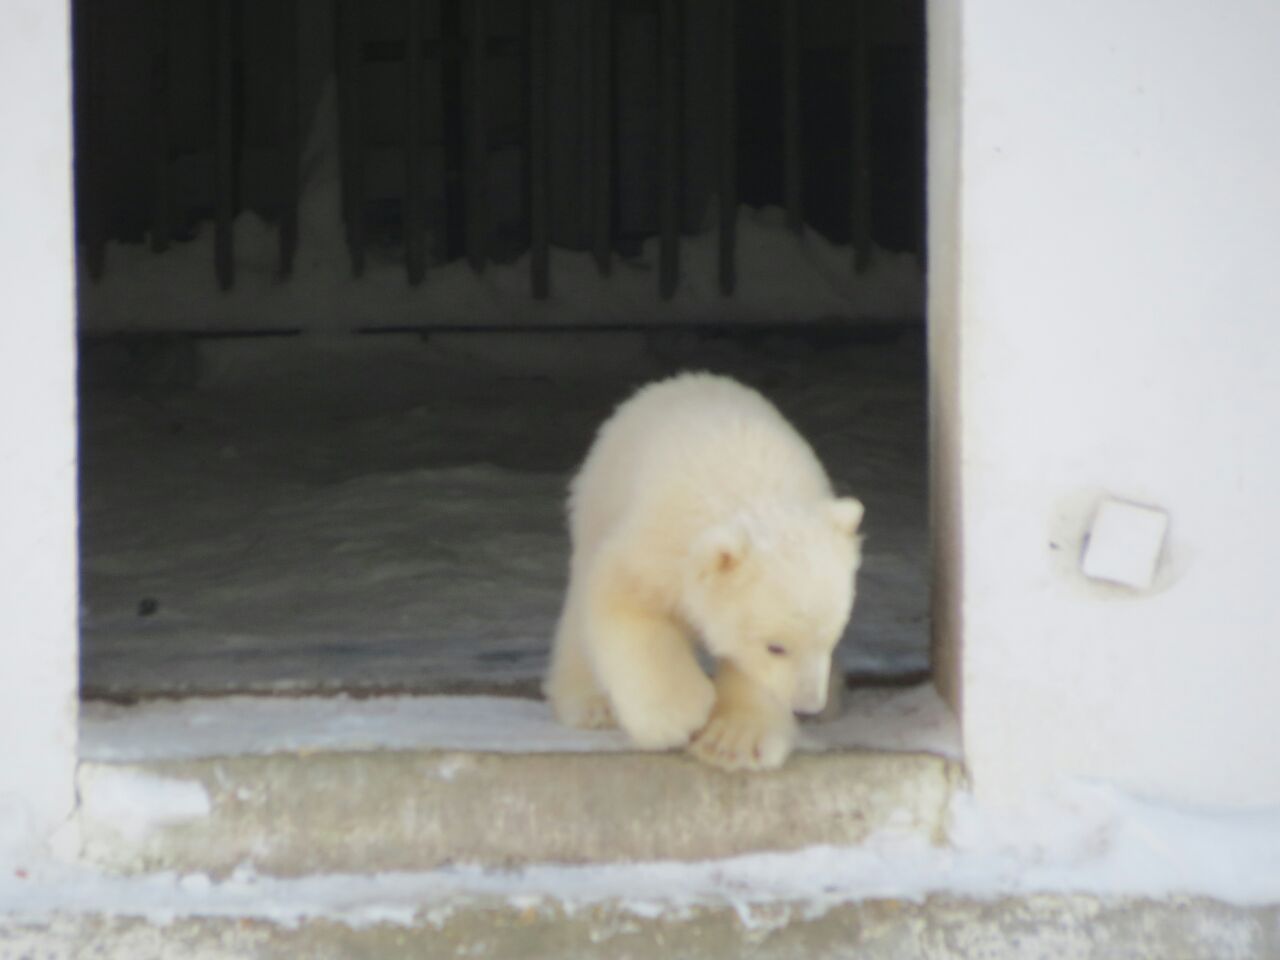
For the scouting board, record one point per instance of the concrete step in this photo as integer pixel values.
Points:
(1068, 927)
(331, 786)
(368, 811)
(390, 829)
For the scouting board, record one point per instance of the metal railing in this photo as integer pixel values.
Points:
(455, 56)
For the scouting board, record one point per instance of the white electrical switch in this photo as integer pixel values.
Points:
(1125, 542)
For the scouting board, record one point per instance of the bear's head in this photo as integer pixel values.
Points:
(771, 590)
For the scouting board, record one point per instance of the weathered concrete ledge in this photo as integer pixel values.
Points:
(939, 928)
(359, 812)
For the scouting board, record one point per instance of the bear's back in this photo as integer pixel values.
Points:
(687, 451)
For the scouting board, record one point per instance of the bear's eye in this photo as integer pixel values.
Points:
(777, 649)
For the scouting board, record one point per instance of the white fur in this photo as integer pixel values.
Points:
(700, 514)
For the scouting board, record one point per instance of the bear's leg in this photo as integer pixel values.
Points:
(571, 685)
(748, 729)
(659, 692)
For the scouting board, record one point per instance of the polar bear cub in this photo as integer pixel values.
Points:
(701, 515)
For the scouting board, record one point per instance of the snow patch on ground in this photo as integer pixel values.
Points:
(383, 514)
(913, 720)
(134, 802)
(781, 278)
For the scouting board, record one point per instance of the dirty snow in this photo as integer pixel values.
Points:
(383, 514)
(1082, 839)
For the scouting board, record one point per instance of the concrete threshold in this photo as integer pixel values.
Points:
(315, 786)
(293, 814)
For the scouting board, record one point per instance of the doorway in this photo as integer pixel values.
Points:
(327, 420)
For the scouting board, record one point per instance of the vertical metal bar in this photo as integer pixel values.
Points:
(342, 80)
(728, 145)
(453, 181)
(161, 174)
(351, 53)
(602, 134)
(539, 142)
(290, 148)
(415, 227)
(921, 152)
(89, 153)
(793, 198)
(860, 135)
(669, 97)
(224, 144)
(477, 145)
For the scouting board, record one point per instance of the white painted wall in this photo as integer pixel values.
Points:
(37, 426)
(1119, 332)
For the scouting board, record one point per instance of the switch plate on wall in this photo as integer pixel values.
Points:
(1125, 542)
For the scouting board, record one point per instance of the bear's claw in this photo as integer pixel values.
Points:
(587, 713)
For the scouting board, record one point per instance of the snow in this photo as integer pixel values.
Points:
(134, 802)
(897, 720)
(1083, 839)
(779, 278)
(383, 514)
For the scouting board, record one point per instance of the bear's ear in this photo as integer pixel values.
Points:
(722, 550)
(846, 513)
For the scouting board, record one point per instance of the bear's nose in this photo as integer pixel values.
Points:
(811, 688)
(810, 705)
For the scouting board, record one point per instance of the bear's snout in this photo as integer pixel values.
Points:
(811, 688)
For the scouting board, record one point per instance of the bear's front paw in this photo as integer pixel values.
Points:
(672, 720)
(738, 737)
